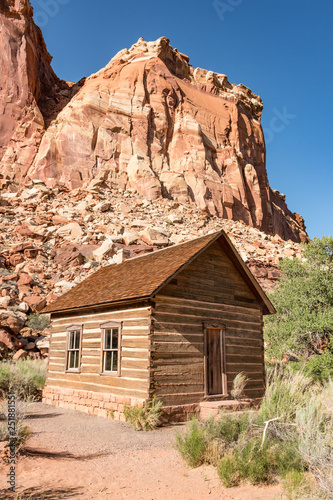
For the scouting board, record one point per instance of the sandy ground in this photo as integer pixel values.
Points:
(73, 455)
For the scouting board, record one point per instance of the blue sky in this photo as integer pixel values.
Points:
(281, 49)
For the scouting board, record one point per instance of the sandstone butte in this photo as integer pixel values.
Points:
(148, 123)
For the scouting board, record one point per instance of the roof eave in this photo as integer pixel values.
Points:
(49, 310)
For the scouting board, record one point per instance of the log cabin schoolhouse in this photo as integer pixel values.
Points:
(179, 323)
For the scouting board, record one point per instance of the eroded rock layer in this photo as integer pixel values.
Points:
(148, 123)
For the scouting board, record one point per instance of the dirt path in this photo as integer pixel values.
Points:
(73, 455)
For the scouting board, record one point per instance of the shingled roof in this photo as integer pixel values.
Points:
(141, 277)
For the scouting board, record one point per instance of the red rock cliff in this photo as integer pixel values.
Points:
(148, 122)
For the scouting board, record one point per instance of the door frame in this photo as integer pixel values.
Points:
(216, 325)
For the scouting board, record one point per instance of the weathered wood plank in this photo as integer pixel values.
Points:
(105, 380)
(188, 379)
(179, 399)
(244, 350)
(257, 341)
(177, 347)
(133, 353)
(177, 337)
(243, 359)
(138, 374)
(169, 389)
(247, 368)
(97, 318)
(186, 319)
(162, 298)
(86, 386)
(201, 310)
(126, 342)
(134, 363)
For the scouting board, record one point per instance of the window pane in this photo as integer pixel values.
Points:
(115, 338)
(71, 340)
(71, 359)
(107, 361)
(107, 339)
(115, 361)
(77, 340)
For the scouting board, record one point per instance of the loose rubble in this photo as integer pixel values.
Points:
(51, 239)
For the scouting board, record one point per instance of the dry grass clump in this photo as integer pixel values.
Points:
(146, 417)
(239, 383)
(25, 378)
(19, 432)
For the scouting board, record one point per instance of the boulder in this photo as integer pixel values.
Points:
(103, 206)
(107, 249)
(35, 302)
(130, 236)
(20, 354)
(68, 256)
(10, 341)
(71, 231)
(30, 346)
(153, 236)
(14, 321)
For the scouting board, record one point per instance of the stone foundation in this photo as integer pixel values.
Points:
(108, 405)
(180, 413)
(94, 403)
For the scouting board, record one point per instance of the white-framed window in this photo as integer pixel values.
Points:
(111, 337)
(74, 337)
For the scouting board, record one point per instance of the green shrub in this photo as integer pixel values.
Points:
(227, 470)
(193, 444)
(206, 442)
(304, 302)
(231, 426)
(297, 485)
(24, 377)
(146, 417)
(320, 366)
(38, 321)
(258, 463)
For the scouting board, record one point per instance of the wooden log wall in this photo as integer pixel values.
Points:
(135, 344)
(209, 288)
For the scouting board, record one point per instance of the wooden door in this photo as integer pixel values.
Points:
(215, 361)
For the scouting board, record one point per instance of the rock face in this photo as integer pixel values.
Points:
(30, 92)
(148, 122)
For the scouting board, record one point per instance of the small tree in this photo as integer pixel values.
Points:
(38, 321)
(304, 302)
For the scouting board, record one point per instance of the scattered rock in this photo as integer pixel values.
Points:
(20, 354)
(69, 256)
(154, 237)
(107, 249)
(71, 231)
